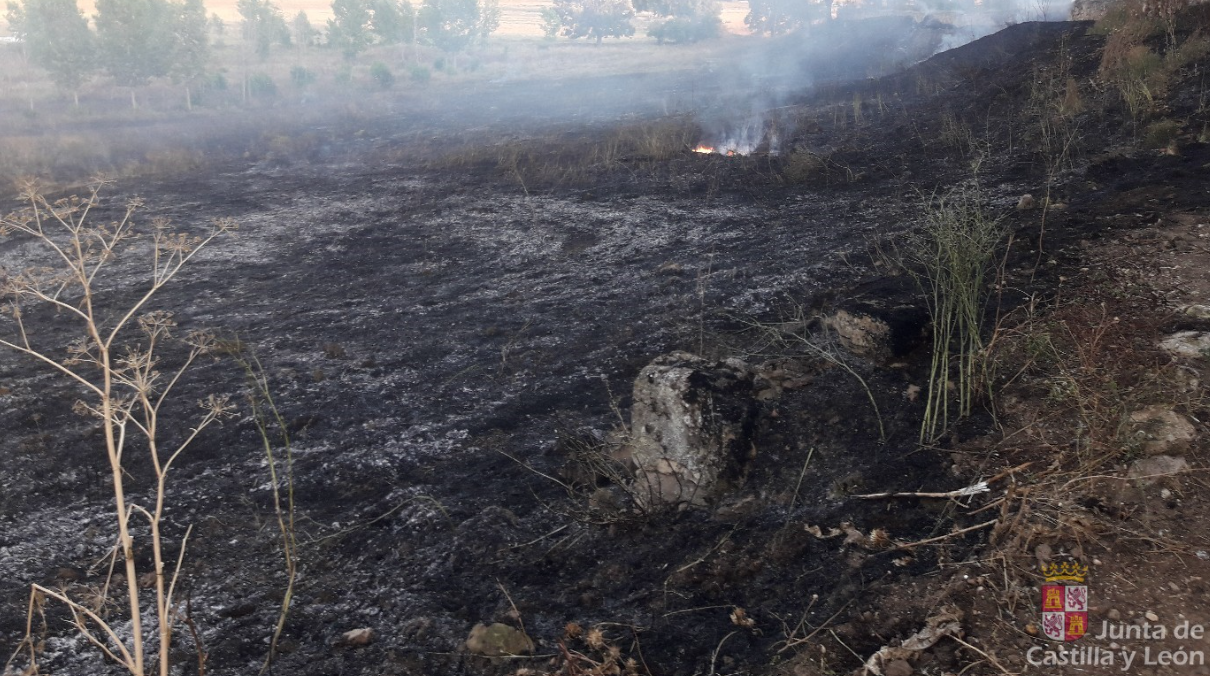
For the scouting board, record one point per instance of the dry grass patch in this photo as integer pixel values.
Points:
(1071, 376)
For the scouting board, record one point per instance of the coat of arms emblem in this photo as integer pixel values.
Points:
(1064, 601)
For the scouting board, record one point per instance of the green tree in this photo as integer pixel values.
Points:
(59, 41)
(262, 25)
(454, 25)
(551, 23)
(349, 27)
(489, 19)
(392, 21)
(304, 32)
(778, 17)
(382, 75)
(136, 40)
(192, 46)
(684, 20)
(595, 19)
(14, 16)
(217, 28)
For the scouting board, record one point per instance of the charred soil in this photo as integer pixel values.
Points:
(449, 316)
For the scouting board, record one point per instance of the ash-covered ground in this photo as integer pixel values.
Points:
(442, 300)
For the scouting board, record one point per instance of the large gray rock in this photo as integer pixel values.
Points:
(691, 425)
(1187, 344)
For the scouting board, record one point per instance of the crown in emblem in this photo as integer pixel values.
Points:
(1067, 571)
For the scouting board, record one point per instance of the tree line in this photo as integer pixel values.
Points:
(676, 20)
(133, 41)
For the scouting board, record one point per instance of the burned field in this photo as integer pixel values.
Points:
(451, 308)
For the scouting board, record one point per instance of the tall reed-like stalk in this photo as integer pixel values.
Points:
(951, 259)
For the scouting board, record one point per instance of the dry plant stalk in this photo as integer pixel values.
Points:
(118, 373)
(270, 424)
(1055, 105)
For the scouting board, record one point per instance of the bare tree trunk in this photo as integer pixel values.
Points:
(243, 85)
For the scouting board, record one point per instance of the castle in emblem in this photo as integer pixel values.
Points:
(1064, 601)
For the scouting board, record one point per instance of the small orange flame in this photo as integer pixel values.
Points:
(705, 150)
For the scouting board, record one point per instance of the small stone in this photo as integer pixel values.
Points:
(1203, 555)
(1149, 469)
(861, 334)
(1043, 553)
(1165, 493)
(1026, 203)
(898, 668)
(357, 637)
(1197, 311)
(603, 500)
(1114, 614)
(1031, 629)
(498, 640)
(238, 610)
(590, 599)
(1163, 430)
(1151, 617)
(67, 575)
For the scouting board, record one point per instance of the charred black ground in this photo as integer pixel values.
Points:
(434, 306)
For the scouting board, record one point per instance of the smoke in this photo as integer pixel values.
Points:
(770, 74)
(740, 89)
(970, 26)
(777, 71)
